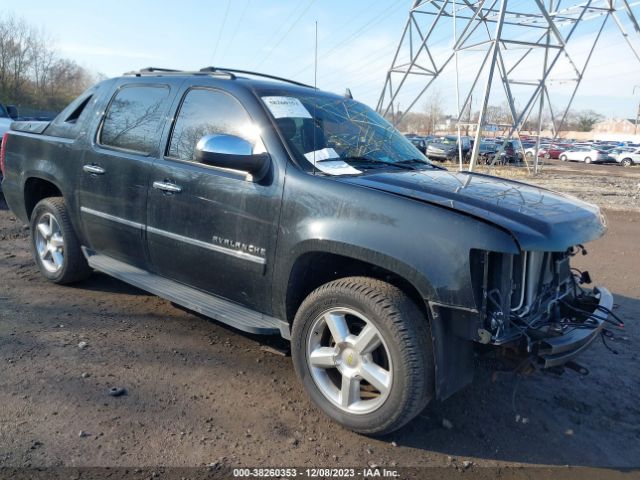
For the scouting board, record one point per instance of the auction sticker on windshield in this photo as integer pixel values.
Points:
(324, 154)
(328, 161)
(286, 107)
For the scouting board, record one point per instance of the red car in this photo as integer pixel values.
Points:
(553, 151)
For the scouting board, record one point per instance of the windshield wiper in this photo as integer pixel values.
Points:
(375, 161)
(414, 161)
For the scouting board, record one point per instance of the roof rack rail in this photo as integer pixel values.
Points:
(248, 72)
(228, 72)
(157, 69)
(170, 71)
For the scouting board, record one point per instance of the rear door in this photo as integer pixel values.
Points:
(211, 228)
(116, 166)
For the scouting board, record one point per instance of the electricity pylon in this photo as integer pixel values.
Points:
(521, 44)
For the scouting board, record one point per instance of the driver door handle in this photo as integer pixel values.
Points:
(94, 169)
(167, 187)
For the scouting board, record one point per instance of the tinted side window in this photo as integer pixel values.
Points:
(134, 118)
(205, 112)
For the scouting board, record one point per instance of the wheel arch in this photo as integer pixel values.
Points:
(316, 267)
(37, 188)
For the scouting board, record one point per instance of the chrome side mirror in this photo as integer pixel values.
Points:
(230, 151)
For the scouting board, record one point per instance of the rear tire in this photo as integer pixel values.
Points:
(587, 160)
(362, 350)
(54, 243)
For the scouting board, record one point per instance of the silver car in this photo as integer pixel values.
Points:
(628, 158)
(584, 154)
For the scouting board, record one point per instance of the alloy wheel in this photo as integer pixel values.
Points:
(49, 243)
(349, 361)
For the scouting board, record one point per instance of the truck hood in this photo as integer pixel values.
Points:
(537, 218)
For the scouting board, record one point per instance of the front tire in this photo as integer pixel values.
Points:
(54, 243)
(587, 160)
(563, 158)
(627, 162)
(362, 349)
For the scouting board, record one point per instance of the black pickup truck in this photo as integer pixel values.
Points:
(277, 208)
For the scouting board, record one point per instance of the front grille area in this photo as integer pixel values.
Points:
(522, 295)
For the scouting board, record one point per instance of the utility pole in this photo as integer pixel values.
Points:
(635, 131)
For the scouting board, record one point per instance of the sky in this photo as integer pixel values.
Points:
(356, 43)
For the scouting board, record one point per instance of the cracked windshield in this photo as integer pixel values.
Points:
(339, 136)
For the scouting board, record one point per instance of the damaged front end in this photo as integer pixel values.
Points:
(534, 304)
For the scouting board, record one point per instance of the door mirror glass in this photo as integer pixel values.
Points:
(230, 151)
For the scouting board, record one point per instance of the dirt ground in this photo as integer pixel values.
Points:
(200, 393)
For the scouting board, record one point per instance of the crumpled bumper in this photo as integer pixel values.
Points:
(555, 351)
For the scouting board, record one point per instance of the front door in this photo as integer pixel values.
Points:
(116, 167)
(211, 228)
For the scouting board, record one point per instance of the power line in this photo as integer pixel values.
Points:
(238, 25)
(374, 21)
(367, 61)
(276, 33)
(224, 21)
(295, 22)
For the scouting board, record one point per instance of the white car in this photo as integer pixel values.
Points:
(626, 159)
(584, 154)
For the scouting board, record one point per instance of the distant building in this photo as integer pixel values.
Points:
(445, 123)
(626, 125)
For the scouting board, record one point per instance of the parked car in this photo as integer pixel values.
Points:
(446, 148)
(582, 145)
(7, 116)
(487, 152)
(608, 149)
(512, 151)
(531, 150)
(274, 207)
(419, 142)
(584, 154)
(616, 151)
(628, 158)
(555, 150)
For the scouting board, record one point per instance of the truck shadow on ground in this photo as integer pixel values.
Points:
(100, 282)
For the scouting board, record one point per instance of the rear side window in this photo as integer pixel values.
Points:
(75, 115)
(134, 118)
(205, 112)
